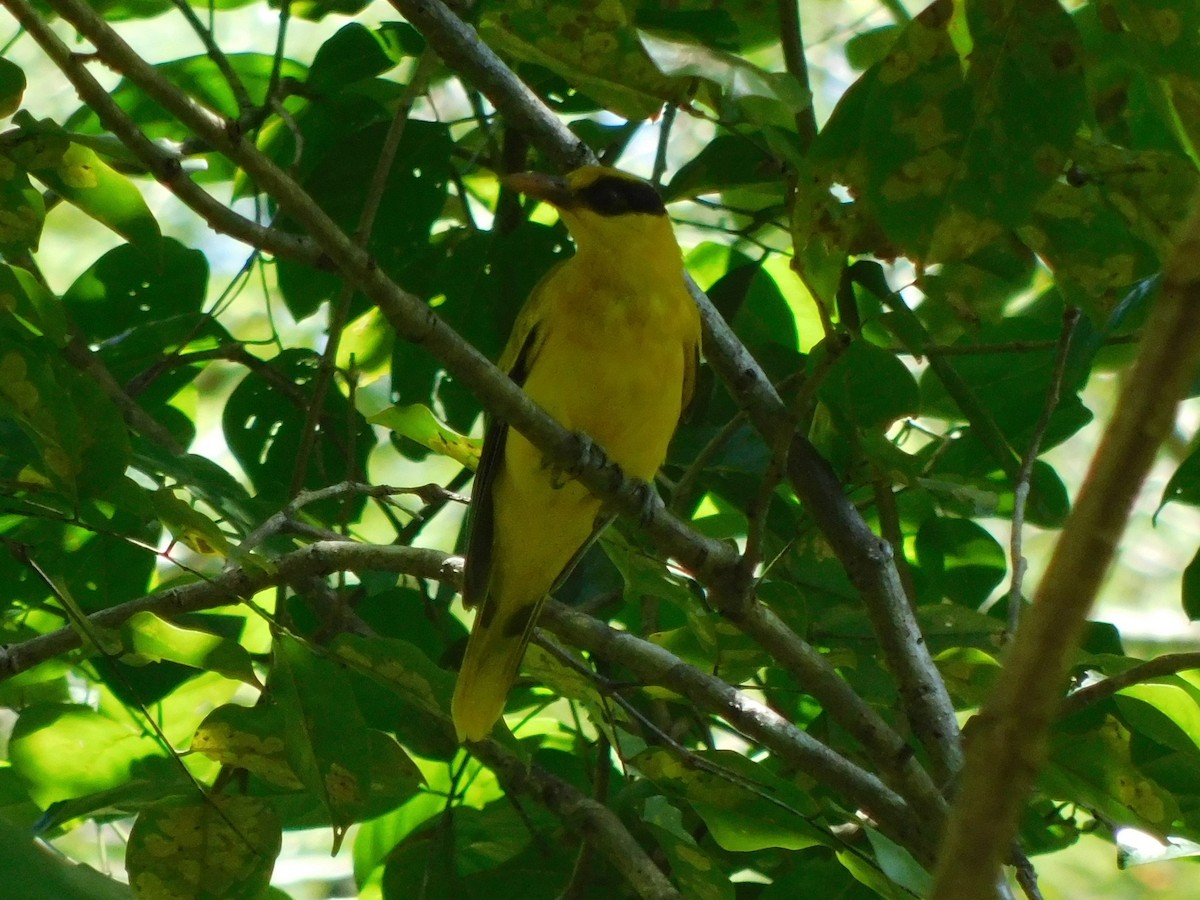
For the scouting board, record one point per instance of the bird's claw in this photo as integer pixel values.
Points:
(585, 454)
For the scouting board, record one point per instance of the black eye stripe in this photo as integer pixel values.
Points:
(611, 196)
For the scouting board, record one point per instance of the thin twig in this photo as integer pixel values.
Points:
(792, 39)
(162, 164)
(660, 152)
(217, 55)
(340, 310)
(237, 583)
(1025, 474)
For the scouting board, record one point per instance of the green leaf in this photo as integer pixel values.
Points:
(122, 801)
(12, 87)
(264, 430)
(418, 423)
(354, 53)
(63, 430)
(866, 48)
(1095, 767)
(222, 848)
(732, 85)
(250, 738)
(1191, 588)
(1184, 484)
(947, 151)
(62, 751)
(748, 809)
(898, 864)
(78, 175)
(326, 738)
(316, 10)
(1168, 713)
(22, 208)
(26, 863)
(692, 870)
(153, 639)
(727, 162)
(338, 165)
(32, 305)
(402, 668)
(867, 387)
(199, 77)
(959, 561)
(128, 288)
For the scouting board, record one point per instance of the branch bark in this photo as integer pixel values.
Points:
(1008, 742)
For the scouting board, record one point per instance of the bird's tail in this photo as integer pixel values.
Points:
(489, 668)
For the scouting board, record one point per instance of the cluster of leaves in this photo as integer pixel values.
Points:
(1029, 163)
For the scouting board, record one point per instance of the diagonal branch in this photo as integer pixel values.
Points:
(1009, 738)
(655, 665)
(164, 165)
(589, 818)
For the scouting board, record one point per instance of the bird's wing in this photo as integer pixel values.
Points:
(522, 348)
(691, 366)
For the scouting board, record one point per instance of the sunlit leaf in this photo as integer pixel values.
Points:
(418, 423)
(63, 751)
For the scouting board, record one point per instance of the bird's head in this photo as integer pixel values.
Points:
(604, 209)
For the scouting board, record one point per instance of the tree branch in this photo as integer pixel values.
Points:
(713, 562)
(236, 584)
(590, 819)
(1160, 666)
(461, 49)
(652, 664)
(1009, 738)
(1028, 459)
(411, 318)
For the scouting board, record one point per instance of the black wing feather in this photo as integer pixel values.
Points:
(481, 518)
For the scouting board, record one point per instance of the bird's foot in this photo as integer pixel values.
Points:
(585, 454)
(647, 500)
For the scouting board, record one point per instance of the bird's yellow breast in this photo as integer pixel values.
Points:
(612, 361)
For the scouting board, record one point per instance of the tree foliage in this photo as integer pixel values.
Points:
(232, 489)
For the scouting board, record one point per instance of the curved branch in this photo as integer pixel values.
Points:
(1160, 666)
(461, 49)
(1009, 738)
(411, 318)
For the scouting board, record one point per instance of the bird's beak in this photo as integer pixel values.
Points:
(549, 188)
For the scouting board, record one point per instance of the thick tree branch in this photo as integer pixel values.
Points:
(1008, 742)
(411, 318)
(651, 663)
(461, 49)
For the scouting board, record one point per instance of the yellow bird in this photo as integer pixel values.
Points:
(608, 344)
